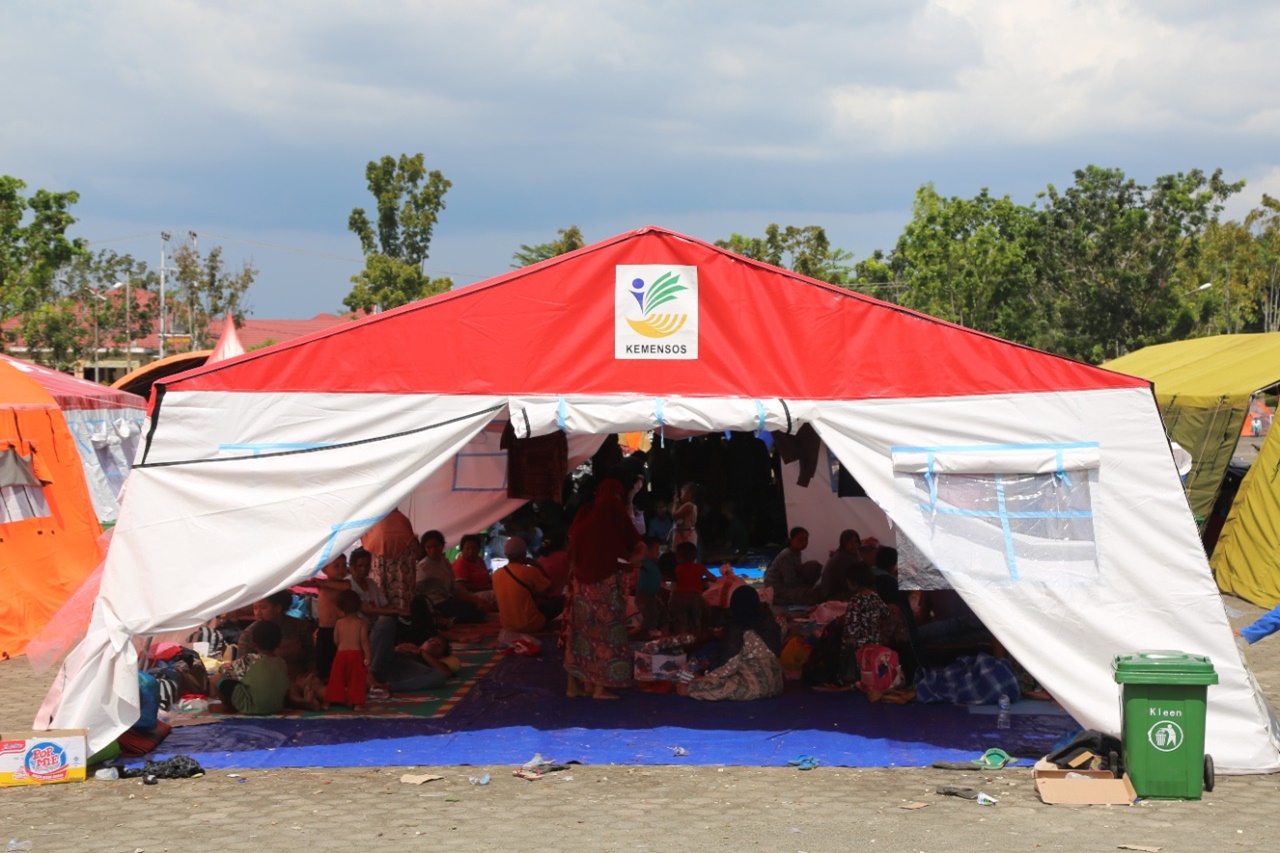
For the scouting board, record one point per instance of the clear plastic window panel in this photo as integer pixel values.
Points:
(18, 503)
(1027, 528)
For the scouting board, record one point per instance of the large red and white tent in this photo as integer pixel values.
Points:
(1042, 489)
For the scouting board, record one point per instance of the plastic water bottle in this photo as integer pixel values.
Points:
(15, 844)
(108, 774)
(1002, 718)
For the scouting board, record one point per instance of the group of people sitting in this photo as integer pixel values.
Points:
(380, 614)
(918, 627)
(361, 644)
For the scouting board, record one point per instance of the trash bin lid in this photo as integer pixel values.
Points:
(1163, 667)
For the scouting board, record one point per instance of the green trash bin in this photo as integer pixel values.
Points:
(1163, 711)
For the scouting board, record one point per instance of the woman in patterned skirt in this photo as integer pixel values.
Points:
(602, 541)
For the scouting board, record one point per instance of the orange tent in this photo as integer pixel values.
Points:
(48, 526)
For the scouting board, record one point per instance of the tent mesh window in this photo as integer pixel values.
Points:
(1027, 527)
(21, 492)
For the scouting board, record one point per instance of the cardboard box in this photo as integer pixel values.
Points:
(40, 758)
(1082, 787)
(659, 666)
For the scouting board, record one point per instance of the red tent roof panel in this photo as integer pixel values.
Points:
(549, 329)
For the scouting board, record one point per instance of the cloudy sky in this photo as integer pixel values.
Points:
(250, 123)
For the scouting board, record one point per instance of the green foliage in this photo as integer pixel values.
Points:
(570, 240)
(33, 245)
(396, 245)
(97, 281)
(1240, 263)
(203, 291)
(1110, 249)
(970, 261)
(804, 250)
(57, 335)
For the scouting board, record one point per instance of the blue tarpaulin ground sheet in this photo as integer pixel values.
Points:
(520, 709)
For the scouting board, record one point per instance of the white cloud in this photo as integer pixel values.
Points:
(1057, 70)
(718, 116)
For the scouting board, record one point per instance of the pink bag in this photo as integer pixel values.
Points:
(880, 669)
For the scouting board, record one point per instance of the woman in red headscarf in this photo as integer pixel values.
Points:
(602, 541)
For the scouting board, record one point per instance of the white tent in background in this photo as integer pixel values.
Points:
(229, 345)
(106, 424)
(1041, 488)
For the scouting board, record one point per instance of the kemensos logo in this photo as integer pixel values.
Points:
(656, 312)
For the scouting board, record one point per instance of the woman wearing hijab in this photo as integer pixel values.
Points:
(602, 541)
(753, 672)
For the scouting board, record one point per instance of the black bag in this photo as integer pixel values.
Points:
(823, 665)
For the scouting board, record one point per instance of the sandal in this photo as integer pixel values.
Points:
(804, 762)
(964, 793)
(993, 759)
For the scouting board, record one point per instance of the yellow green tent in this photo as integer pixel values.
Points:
(1204, 387)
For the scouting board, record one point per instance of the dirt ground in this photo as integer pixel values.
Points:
(615, 807)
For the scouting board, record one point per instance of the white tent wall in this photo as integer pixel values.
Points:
(820, 510)
(1152, 588)
(456, 502)
(246, 517)
(107, 440)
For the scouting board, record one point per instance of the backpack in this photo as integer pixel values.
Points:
(880, 669)
(823, 665)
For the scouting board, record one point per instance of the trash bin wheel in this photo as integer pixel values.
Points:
(1208, 772)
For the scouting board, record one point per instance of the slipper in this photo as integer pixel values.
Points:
(993, 759)
(804, 762)
(965, 793)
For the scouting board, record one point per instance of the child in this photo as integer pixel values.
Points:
(348, 682)
(648, 585)
(686, 598)
(266, 680)
(1266, 625)
(328, 586)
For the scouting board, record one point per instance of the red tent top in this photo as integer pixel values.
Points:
(549, 329)
(72, 393)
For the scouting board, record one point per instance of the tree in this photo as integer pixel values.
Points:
(804, 250)
(33, 244)
(396, 245)
(970, 261)
(570, 240)
(1111, 249)
(203, 291)
(104, 290)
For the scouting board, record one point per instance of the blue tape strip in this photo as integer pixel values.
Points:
(560, 413)
(1004, 526)
(977, 513)
(333, 535)
(981, 448)
(283, 445)
(760, 419)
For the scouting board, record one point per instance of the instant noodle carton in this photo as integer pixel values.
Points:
(39, 758)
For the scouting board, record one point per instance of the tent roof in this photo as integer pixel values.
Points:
(1226, 365)
(140, 380)
(548, 329)
(65, 392)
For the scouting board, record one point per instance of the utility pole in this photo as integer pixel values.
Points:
(164, 244)
(191, 303)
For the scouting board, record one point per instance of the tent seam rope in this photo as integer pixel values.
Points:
(340, 446)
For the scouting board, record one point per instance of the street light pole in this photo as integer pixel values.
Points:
(164, 241)
(128, 325)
